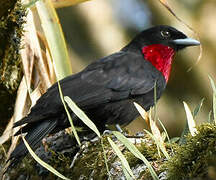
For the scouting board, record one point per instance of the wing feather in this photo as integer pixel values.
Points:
(112, 78)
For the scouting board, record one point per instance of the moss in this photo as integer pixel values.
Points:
(195, 158)
(91, 161)
(149, 150)
(11, 28)
(5, 5)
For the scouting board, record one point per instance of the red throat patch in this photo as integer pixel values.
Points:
(160, 56)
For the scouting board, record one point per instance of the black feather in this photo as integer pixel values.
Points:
(34, 136)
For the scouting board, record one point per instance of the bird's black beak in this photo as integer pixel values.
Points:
(186, 42)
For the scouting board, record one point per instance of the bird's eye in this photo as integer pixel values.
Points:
(165, 34)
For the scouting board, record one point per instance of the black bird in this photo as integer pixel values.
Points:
(106, 89)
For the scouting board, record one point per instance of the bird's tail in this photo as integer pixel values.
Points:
(36, 133)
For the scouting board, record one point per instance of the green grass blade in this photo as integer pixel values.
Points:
(132, 148)
(55, 38)
(163, 127)
(81, 115)
(42, 163)
(30, 4)
(168, 139)
(159, 144)
(69, 116)
(214, 107)
(190, 120)
(210, 117)
(155, 100)
(182, 139)
(214, 98)
(212, 84)
(127, 175)
(157, 136)
(105, 159)
(124, 161)
(198, 107)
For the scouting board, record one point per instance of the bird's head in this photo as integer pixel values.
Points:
(165, 35)
(159, 45)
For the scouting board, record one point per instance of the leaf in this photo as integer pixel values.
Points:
(159, 144)
(155, 130)
(42, 163)
(212, 84)
(124, 161)
(174, 139)
(214, 98)
(214, 107)
(30, 4)
(190, 120)
(142, 112)
(55, 38)
(105, 159)
(69, 116)
(81, 115)
(66, 3)
(127, 175)
(209, 117)
(168, 139)
(132, 148)
(198, 107)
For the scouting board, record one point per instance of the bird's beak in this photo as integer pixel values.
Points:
(186, 42)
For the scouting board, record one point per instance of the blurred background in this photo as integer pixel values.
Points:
(96, 28)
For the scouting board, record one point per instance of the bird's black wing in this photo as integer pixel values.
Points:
(112, 78)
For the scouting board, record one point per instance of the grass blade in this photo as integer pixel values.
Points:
(127, 175)
(182, 139)
(156, 133)
(210, 117)
(159, 144)
(190, 120)
(214, 98)
(69, 116)
(30, 4)
(132, 148)
(105, 159)
(66, 3)
(214, 107)
(155, 100)
(142, 112)
(163, 127)
(81, 115)
(168, 139)
(212, 84)
(124, 161)
(155, 130)
(198, 107)
(42, 163)
(55, 38)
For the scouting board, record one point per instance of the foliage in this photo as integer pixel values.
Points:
(196, 158)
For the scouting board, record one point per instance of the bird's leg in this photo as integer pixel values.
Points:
(119, 129)
(74, 159)
(107, 132)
